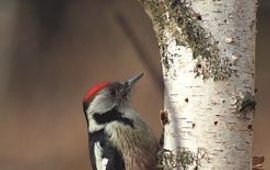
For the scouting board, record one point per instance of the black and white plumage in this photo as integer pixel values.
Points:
(118, 137)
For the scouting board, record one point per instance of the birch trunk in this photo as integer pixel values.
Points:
(208, 57)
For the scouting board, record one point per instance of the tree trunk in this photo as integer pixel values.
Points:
(208, 57)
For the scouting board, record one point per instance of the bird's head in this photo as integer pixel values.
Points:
(108, 95)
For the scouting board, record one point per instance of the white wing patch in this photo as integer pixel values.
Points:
(105, 162)
(101, 163)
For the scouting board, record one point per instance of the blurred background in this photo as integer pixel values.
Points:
(52, 51)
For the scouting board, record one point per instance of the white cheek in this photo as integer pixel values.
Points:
(101, 103)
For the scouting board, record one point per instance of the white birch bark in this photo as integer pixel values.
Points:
(208, 58)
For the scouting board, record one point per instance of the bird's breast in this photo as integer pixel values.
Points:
(137, 145)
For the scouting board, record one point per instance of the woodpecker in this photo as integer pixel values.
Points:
(118, 137)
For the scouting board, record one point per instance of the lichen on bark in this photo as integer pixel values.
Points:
(182, 157)
(178, 18)
(244, 104)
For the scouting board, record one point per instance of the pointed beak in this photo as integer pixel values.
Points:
(132, 81)
(124, 94)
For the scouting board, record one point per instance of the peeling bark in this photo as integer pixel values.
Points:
(208, 57)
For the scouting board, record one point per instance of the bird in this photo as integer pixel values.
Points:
(118, 137)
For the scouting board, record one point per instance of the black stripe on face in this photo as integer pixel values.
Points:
(112, 115)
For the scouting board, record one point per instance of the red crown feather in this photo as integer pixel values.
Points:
(93, 91)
